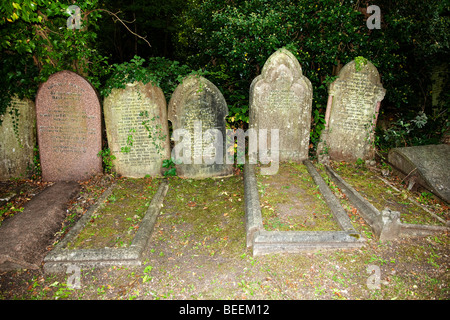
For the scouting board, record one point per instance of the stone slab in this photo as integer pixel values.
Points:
(68, 128)
(428, 164)
(17, 148)
(138, 111)
(25, 237)
(267, 242)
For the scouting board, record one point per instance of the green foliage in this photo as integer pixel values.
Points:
(34, 169)
(35, 43)
(128, 72)
(419, 130)
(169, 74)
(161, 72)
(107, 158)
(234, 39)
(359, 62)
(154, 131)
(170, 165)
(130, 141)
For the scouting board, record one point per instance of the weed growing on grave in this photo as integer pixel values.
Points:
(34, 169)
(130, 141)
(107, 159)
(360, 62)
(170, 165)
(154, 131)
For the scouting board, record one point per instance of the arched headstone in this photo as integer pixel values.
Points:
(197, 111)
(352, 111)
(69, 128)
(137, 129)
(281, 98)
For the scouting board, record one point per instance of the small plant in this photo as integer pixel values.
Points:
(63, 290)
(170, 165)
(130, 141)
(147, 276)
(34, 169)
(107, 158)
(112, 198)
(154, 131)
(359, 62)
(360, 162)
(426, 198)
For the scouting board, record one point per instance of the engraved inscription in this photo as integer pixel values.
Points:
(357, 103)
(283, 99)
(131, 108)
(197, 111)
(68, 129)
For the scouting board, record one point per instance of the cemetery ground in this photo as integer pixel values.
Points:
(198, 246)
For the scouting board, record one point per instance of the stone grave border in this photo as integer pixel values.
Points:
(386, 224)
(60, 258)
(266, 242)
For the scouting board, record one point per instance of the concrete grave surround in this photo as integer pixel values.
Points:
(62, 256)
(385, 224)
(264, 242)
(125, 111)
(198, 99)
(427, 165)
(69, 128)
(16, 151)
(351, 115)
(281, 98)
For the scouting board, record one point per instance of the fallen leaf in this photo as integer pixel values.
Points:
(191, 204)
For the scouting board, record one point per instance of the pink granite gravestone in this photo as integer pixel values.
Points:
(68, 127)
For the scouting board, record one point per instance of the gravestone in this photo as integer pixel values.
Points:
(68, 128)
(17, 139)
(351, 115)
(281, 98)
(137, 113)
(197, 111)
(425, 165)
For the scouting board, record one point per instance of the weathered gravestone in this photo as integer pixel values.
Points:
(68, 127)
(352, 111)
(197, 111)
(17, 139)
(281, 99)
(137, 129)
(425, 165)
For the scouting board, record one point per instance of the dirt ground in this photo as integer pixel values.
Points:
(198, 251)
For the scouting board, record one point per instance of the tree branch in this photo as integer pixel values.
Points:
(122, 22)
